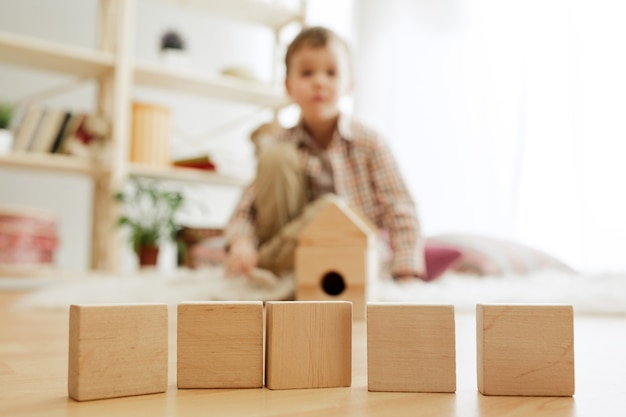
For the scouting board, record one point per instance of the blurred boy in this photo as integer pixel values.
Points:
(325, 155)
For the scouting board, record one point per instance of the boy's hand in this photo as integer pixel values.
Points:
(242, 257)
(405, 276)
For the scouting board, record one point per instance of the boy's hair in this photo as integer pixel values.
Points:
(314, 37)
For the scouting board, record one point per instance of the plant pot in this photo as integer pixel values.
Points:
(175, 58)
(6, 141)
(148, 256)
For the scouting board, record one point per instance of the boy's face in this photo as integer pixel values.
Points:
(318, 77)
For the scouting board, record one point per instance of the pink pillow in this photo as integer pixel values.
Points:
(438, 259)
(484, 255)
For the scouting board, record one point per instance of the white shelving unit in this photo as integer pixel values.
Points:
(271, 14)
(48, 162)
(210, 85)
(116, 71)
(184, 174)
(49, 56)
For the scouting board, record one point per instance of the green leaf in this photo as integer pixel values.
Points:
(148, 212)
(6, 114)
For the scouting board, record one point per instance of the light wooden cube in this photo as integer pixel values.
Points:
(309, 344)
(117, 350)
(525, 350)
(353, 294)
(411, 348)
(220, 345)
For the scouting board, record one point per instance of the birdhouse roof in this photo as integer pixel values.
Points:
(338, 225)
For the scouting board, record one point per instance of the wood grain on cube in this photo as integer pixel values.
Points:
(525, 350)
(309, 344)
(117, 350)
(220, 345)
(411, 348)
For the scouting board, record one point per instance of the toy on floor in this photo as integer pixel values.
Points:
(309, 344)
(117, 350)
(411, 348)
(525, 350)
(220, 345)
(337, 257)
(122, 350)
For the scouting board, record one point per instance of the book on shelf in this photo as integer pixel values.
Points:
(202, 162)
(74, 129)
(69, 125)
(50, 127)
(55, 130)
(27, 128)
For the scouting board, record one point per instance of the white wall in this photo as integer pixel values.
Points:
(506, 117)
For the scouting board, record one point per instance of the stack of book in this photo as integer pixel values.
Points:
(49, 130)
(28, 236)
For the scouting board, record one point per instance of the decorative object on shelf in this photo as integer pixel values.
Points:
(6, 136)
(173, 49)
(203, 162)
(149, 213)
(28, 236)
(84, 135)
(242, 73)
(150, 142)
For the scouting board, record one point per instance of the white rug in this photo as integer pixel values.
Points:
(603, 294)
(600, 294)
(152, 287)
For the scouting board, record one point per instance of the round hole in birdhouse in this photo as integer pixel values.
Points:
(333, 283)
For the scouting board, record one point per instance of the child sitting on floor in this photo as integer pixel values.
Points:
(325, 153)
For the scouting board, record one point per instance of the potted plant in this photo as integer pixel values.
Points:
(6, 137)
(148, 211)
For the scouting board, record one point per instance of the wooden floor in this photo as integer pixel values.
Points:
(33, 379)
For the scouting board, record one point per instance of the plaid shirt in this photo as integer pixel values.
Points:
(365, 174)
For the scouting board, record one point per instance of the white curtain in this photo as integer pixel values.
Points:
(508, 117)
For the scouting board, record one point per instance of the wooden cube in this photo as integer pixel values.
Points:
(117, 350)
(525, 350)
(220, 345)
(411, 348)
(309, 344)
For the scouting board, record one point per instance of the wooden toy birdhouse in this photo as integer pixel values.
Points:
(337, 257)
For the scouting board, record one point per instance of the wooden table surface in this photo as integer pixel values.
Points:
(33, 379)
